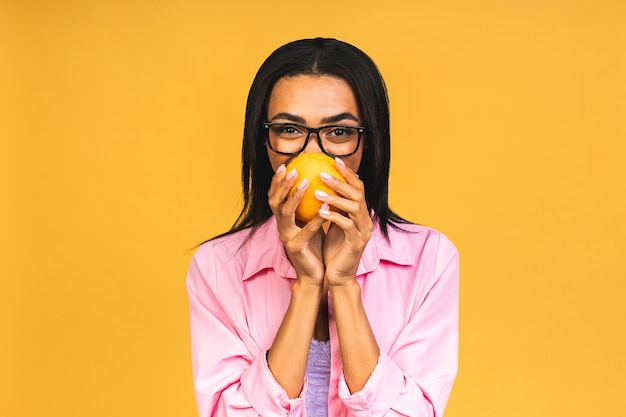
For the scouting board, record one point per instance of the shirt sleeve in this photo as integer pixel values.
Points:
(231, 375)
(415, 377)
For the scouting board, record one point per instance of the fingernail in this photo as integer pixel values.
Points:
(281, 169)
(324, 210)
(340, 162)
(320, 194)
(292, 174)
(326, 177)
(303, 184)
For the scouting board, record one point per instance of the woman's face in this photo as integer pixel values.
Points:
(313, 101)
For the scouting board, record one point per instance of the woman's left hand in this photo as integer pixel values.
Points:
(350, 229)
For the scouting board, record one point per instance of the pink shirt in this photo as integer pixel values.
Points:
(239, 292)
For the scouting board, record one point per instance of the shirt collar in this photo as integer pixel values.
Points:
(265, 251)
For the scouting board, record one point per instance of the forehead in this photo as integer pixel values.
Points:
(312, 97)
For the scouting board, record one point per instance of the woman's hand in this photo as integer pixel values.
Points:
(348, 232)
(303, 245)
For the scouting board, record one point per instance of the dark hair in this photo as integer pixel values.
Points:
(320, 56)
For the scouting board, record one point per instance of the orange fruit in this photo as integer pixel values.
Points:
(309, 166)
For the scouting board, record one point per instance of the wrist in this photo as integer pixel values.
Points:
(307, 287)
(347, 286)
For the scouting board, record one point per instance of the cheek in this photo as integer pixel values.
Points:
(353, 161)
(276, 160)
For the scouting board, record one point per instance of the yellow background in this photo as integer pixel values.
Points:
(120, 126)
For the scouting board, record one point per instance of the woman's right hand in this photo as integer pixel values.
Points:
(303, 244)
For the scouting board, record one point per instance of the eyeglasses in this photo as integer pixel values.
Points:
(291, 139)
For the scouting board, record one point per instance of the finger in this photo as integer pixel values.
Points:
(350, 207)
(310, 229)
(289, 205)
(348, 174)
(300, 240)
(278, 176)
(280, 186)
(351, 198)
(356, 211)
(355, 237)
(353, 191)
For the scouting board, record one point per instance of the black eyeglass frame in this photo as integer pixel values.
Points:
(360, 130)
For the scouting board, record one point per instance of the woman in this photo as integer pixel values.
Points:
(353, 313)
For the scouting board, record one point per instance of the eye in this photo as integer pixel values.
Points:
(287, 130)
(341, 133)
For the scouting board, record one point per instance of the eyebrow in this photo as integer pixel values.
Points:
(340, 117)
(290, 117)
(331, 119)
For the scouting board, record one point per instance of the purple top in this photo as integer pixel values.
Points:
(318, 377)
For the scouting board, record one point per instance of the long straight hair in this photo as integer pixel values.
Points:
(317, 57)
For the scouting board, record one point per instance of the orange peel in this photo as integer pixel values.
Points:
(310, 166)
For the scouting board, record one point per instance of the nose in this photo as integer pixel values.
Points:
(313, 145)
